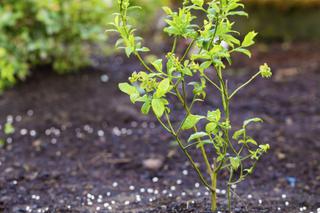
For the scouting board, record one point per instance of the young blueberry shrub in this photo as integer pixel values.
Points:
(168, 81)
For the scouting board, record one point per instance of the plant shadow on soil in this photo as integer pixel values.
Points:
(80, 146)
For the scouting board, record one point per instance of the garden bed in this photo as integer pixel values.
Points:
(80, 146)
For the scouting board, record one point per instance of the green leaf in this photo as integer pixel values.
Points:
(250, 170)
(203, 142)
(238, 13)
(157, 65)
(191, 121)
(248, 39)
(167, 10)
(146, 107)
(251, 120)
(252, 141)
(214, 116)
(163, 88)
(129, 51)
(158, 107)
(128, 89)
(198, 2)
(8, 129)
(2, 143)
(205, 65)
(211, 127)
(264, 147)
(244, 51)
(238, 133)
(235, 162)
(197, 135)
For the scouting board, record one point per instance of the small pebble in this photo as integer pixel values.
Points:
(100, 133)
(104, 78)
(155, 179)
(249, 196)
(30, 112)
(134, 124)
(23, 131)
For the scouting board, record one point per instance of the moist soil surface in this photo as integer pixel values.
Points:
(80, 146)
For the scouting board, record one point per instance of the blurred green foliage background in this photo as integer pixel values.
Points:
(57, 32)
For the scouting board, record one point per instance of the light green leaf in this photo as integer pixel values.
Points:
(244, 51)
(238, 133)
(197, 135)
(167, 10)
(252, 141)
(211, 127)
(205, 65)
(235, 162)
(163, 88)
(191, 121)
(8, 129)
(128, 89)
(214, 116)
(146, 107)
(238, 13)
(203, 142)
(198, 2)
(248, 39)
(2, 143)
(264, 147)
(157, 65)
(158, 107)
(251, 120)
(129, 51)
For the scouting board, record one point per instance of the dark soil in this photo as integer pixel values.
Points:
(79, 145)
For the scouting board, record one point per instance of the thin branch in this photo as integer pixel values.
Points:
(187, 51)
(243, 85)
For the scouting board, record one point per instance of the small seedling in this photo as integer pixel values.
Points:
(167, 81)
(7, 130)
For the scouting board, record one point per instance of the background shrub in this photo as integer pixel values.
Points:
(57, 32)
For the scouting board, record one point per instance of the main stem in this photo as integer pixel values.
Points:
(225, 101)
(214, 191)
